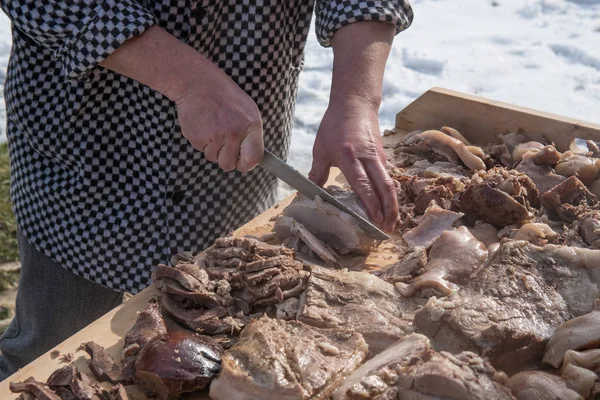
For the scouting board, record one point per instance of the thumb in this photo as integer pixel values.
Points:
(319, 171)
(251, 148)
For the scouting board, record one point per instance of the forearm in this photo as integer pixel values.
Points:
(360, 52)
(158, 60)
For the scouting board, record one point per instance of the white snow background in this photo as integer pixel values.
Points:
(542, 54)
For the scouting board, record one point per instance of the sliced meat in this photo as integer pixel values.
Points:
(452, 259)
(569, 200)
(178, 362)
(287, 227)
(37, 389)
(102, 365)
(334, 227)
(581, 166)
(357, 301)
(577, 334)
(540, 385)
(408, 267)
(542, 175)
(287, 360)
(434, 222)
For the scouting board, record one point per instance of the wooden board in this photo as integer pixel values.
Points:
(480, 120)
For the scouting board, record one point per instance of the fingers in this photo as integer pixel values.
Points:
(355, 173)
(386, 192)
(212, 149)
(320, 170)
(230, 153)
(252, 148)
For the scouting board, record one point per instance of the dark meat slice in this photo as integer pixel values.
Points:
(441, 194)
(255, 246)
(499, 155)
(185, 279)
(38, 389)
(506, 312)
(102, 365)
(404, 270)
(569, 200)
(411, 369)
(357, 301)
(63, 376)
(454, 256)
(287, 360)
(540, 385)
(200, 298)
(178, 362)
(541, 174)
(69, 384)
(434, 222)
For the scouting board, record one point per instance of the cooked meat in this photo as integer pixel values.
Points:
(547, 156)
(176, 363)
(69, 383)
(441, 169)
(485, 233)
(403, 160)
(589, 359)
(507, 311)
(569, 200)
(455, 134)
(421, 191)
(334, 227)
(434, 222)
(541, 174)
(148, 325)
(594, 187)
(102, 365)
(404, 270)
(589, 228)
(578, 379)
(499, 155)
(118, 392)
(536, 233)
(583, 167)
(410, 369)
(287, 360)
(287, 228)
(358, 301)
(447, 146)
(500, 197)
(418, 168)
(452, 259)
(577, 334)
(523, 148)
(540, 385)
(37, 389)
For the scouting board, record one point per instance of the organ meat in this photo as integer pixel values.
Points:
(434, 222)
(583, 167)
(356, 301)
(454, 256)
(287, 360)
(540, 385)
(506, 312)
(411, 369)
(447, 146)
(332, 226)
(569, 200)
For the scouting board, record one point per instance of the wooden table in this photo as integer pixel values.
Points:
(478, 119)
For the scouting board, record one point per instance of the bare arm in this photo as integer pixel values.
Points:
(349, 135)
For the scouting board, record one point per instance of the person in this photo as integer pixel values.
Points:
(134, 130)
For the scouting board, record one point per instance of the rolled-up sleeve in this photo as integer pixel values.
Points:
(80, 33)
(332, 15)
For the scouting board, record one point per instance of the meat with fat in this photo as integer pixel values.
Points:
(434, 222)
(287, 360)
(542, 175)
(485, 233)
(357, 301)
(540, 385)
(287, 228)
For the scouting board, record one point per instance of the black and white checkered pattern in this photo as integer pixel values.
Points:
(102, 179)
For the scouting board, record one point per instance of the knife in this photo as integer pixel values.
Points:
(295, 179)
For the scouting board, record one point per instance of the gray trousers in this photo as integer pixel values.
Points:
(52, 304)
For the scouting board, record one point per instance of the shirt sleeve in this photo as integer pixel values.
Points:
(331, 15)
(80, 33)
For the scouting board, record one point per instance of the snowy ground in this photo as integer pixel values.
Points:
(543, 54)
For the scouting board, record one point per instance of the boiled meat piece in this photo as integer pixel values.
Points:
(334, 227)
(536, 233)
(69, 383)
(287, 228)
(357, 301)
(485, 233)
(102, 365)
(589, 228)
(512, 140)
(441, 169)
(408, 267)
(540, 385)
(455, 134)
(542, 175)
(454, 256)
(411, 369)
(449, 147)
(569, 200)
(579, 333)
(523, 148)
(583, 167)
(499, 155)
(33, 388)
(434, 222)
(547, 156)
(287, 360)
(579, 379)
(589, 359)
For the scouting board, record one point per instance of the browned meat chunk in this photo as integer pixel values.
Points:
(411, 369)
(540, 385)
(69, 383)
(287, 360)
(332, 226)
(569, 200)
(176, 363)
(357, 301)
(434, 222)
(37, 389)
(102, 365)
(452, 259)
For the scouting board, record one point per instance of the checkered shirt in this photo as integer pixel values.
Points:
(103, 182)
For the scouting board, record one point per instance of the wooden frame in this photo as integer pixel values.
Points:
(478, 119)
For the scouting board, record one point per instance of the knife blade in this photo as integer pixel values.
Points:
(295, 179)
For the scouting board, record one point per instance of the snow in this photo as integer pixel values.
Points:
(541, 54)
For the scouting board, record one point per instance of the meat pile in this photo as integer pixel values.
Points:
(496, 294)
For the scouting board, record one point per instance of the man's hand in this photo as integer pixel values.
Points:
(349, 136)
(215, 115)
